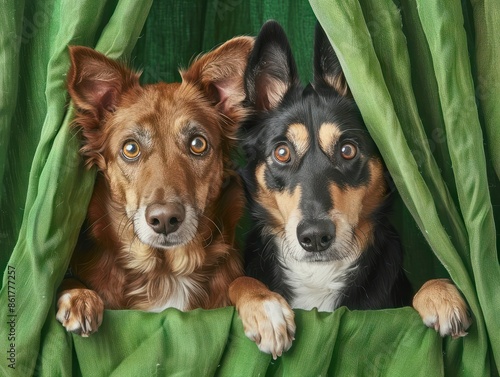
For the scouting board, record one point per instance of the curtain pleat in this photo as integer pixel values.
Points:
(52, 178)
(378, 61)
(425, 76)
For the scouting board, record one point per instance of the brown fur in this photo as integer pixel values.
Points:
(111, 259)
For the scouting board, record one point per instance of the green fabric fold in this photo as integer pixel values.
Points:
(467, 153)
(10, 42)
(59, 189)
(428, 89)
(212, 343)
(461, 233)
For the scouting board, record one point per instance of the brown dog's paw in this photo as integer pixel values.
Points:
(80, 311)
(442, 307)
(268, 321)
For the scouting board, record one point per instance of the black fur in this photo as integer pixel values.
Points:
(378, 281)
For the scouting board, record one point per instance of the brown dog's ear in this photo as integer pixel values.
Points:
(95, 82)
(327, 68)
(271, 69)
(219, 73)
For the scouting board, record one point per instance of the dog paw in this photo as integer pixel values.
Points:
(442, 307)
(269, 321)
(80, 311)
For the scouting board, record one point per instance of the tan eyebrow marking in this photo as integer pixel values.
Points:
(298, 135)
(329, 135)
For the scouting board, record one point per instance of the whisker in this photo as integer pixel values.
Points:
(88, 228)
(216, 227)
(125, 222)
(266, 253)
(208, 241)
(355, 130)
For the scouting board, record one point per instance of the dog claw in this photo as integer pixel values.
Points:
(442, 308)
(269, 323)
(77, 308)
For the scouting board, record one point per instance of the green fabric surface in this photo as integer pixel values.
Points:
(461, 231)
(171, 344)
(425, 76)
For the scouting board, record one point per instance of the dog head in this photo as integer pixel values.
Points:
(162, 148)
(314, 175)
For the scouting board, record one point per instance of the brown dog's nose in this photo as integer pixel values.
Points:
(165, 218)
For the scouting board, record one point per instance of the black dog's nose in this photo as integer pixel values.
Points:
(165, 218)
(316, 235)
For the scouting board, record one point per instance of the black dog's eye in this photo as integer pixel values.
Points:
(348, 151)
(131, 150)
(282, 153)
(198, 145)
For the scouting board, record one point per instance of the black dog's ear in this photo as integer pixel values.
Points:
(271, 69)
(327, 69)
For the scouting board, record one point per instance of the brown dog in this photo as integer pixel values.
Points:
(161, 222)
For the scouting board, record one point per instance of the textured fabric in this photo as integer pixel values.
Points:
(425, 76)
(460, 227)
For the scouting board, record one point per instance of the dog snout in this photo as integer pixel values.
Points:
(316, 235)
(165, 218)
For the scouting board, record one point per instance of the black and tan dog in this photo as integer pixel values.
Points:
(319, 195)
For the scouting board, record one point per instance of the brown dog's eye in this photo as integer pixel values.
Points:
(282, 153)
(131, 150)
(198, 145)
(348, 151)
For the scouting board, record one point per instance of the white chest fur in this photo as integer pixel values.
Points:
(317, 285)
(181, 289)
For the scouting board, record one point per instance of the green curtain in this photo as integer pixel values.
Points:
(425, 76)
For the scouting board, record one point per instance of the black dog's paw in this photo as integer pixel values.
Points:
(441, 307)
